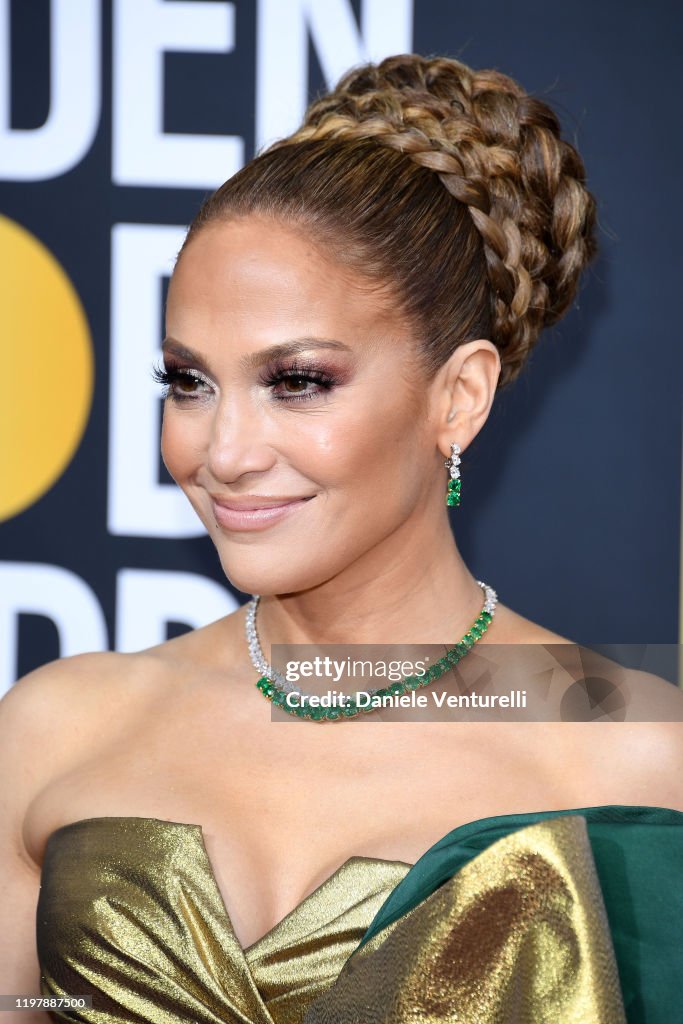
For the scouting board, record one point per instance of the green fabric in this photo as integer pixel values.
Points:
(638, 853)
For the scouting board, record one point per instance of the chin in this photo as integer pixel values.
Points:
(275, 575)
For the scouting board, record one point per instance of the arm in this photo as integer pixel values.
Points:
(51, 721)
(23, 713)
(44, 732)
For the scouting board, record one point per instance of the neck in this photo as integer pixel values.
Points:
(408, 589)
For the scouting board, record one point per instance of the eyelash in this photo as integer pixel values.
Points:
(172, 374)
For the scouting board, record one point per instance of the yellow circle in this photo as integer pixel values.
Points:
(47, 369)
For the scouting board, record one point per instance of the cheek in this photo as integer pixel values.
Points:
(361, 447)
(181, 443)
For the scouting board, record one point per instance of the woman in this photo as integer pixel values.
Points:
(342, 314)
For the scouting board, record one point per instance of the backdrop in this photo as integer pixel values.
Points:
(116, 119)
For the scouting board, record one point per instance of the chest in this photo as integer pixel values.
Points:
(282, 807)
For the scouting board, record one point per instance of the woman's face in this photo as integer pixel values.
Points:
(290, 382)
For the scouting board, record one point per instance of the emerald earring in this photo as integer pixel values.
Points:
(453, 492)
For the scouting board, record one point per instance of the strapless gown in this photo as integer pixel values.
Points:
(558, 917)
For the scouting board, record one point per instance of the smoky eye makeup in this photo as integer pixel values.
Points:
(297, 379)
(289, 381)
(179, 382)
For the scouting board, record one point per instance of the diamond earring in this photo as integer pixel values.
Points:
(453, 492)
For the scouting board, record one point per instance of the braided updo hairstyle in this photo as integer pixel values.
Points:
(450, 186)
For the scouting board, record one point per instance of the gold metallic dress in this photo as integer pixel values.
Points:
(559, 917)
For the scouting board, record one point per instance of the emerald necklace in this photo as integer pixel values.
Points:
(290, 698)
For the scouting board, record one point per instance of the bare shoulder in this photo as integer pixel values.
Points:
(640, 757)
(635, 758)
(58, 686)
(652, 698)
(47, 716)
(104, 684)
(99, 682)
(44, 721)
(640, 697)
(654, 720)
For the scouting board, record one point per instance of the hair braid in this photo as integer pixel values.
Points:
(372, 175)
(497, 151)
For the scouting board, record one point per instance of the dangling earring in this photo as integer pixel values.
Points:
(453, 492)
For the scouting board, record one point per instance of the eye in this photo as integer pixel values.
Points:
(297, 383)
(180, 383)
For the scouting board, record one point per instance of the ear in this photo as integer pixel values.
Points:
(468, 388)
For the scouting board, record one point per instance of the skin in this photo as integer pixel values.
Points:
(377, 440)
(178, 731)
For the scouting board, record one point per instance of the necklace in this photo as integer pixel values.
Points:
(277, 689)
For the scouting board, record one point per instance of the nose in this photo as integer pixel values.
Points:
(238, 441)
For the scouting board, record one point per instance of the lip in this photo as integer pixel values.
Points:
(259, 516)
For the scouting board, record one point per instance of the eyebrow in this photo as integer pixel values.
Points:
(257, 359)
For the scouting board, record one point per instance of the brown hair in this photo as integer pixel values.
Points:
(451, 186)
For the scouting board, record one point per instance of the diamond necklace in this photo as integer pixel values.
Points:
(276, 688)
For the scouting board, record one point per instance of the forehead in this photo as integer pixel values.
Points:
(258, 274)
